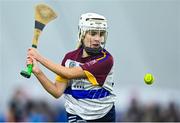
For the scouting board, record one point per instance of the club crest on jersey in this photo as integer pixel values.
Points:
(72, 64)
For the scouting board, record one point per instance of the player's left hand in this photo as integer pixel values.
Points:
(36, 69)
(31, 60)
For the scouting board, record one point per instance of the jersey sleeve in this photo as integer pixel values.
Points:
(98, 69)
(60, 79)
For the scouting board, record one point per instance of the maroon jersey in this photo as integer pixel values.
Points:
(99, 66)
(85, 96)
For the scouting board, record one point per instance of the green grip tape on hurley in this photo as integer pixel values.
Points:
(27, 72)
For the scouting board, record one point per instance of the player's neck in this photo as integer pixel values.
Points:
(84, 54)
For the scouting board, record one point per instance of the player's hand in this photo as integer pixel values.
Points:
(33, 53)
(31, 60)
(36, 69)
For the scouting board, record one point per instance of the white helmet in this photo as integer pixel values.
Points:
(91, 21)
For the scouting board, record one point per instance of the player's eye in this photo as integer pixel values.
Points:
(102, 33)
(93, 33)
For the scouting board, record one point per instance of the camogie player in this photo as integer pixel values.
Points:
(85, 76)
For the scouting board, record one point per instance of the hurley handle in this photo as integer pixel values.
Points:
(28, 70)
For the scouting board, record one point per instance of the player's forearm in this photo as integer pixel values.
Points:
(65, 72)
(48, 85)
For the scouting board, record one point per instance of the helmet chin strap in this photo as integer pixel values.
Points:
(92, 51)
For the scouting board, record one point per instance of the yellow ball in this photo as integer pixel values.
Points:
(148, 78)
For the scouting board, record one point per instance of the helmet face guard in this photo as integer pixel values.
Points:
(90, 23)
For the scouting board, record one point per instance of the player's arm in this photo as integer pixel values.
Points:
(68, 73)
(65, 72)
(55, 89)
